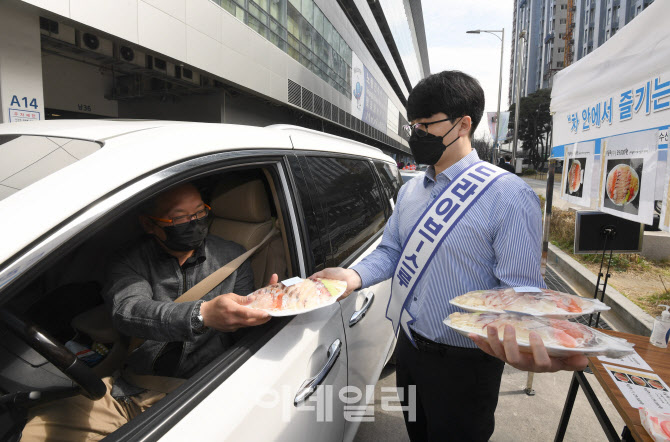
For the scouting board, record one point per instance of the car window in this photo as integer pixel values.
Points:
(389, 179)
(315, 243)
(351, 201)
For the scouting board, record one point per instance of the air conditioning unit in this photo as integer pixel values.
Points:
(127, 54)
(57, 31)
(187, 74)
(127, 86)
(93, 43)
(160, 65)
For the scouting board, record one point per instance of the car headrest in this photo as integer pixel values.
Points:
(241, 201)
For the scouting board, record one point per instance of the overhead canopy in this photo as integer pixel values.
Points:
(593, 90)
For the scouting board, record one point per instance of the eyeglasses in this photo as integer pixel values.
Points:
(421, 129)
(200, 214)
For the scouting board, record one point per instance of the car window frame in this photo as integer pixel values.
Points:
(52, 246)
(312, 264)
(380, 183)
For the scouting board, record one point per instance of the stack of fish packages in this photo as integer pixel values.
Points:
(540, 310)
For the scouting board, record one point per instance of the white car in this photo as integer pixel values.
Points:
(407, 175)
(69, 196)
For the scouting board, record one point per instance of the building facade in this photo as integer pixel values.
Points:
(560, 32)
(344, 67)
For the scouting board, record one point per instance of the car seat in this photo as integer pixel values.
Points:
(241, 213)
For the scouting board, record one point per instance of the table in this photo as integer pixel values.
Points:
(657, 358)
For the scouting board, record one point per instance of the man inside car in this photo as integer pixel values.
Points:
(179, 338)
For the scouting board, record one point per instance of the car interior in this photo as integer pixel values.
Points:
(64, 299)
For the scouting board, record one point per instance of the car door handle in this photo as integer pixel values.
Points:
(358, 314)
(309, 386)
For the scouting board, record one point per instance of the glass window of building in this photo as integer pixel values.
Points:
(299, 28)
(293, 27)
(394, 10)
(258, 17)
(308, 11)
(318, 20)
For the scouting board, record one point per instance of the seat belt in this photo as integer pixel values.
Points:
(207, 285)
(165, 384)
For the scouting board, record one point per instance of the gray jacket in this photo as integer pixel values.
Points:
(142, 283)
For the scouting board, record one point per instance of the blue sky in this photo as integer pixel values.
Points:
(449, 47)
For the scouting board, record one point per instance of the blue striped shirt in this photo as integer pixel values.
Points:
(496, 244)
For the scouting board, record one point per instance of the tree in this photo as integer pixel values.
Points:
(534, 126)
(483, 147)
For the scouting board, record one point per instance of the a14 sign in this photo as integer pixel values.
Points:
(26, 104)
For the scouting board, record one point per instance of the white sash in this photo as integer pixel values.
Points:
(438, 220)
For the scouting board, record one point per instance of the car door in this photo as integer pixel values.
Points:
(288, 389)
(280, 380)
(348, 193)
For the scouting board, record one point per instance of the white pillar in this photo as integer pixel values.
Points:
(21, 93)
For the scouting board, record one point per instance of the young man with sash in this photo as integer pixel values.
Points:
(464, 225)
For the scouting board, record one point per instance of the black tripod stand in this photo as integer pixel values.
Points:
(609, 234)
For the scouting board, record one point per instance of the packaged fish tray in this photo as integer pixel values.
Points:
(656, 423)
(530, 300)
(561, 337)
(296, 295)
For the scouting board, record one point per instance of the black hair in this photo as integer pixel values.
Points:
(451, 92)
(150, 206)
(508, 158)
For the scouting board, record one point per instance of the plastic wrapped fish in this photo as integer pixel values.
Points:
(560, 337)
(549, 303)
(575, 176)
(623, 184)
(656, 423)
(297, 296)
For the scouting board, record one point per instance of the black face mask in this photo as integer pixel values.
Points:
(428, 149)
(186, 236)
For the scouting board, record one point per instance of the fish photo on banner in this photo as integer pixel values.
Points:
(628, 175)
(580, 167)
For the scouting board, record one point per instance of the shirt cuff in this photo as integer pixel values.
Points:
(365, 275)
(180, 321)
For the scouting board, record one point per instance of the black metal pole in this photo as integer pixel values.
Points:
(608, 233)
(567, 409)
(597, 408)
(546, 224)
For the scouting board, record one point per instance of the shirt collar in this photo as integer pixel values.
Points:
(198, 256)
(453, 170)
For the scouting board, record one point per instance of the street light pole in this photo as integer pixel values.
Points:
(496, 148)
(519, 55)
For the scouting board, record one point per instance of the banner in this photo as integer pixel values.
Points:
(504, 123)
(369, 102)
(436, 223)
(358, 86)
(628, 175)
